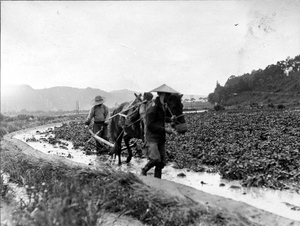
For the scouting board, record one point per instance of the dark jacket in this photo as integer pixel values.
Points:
(155, 122)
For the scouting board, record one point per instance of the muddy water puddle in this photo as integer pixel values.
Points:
(284, 203)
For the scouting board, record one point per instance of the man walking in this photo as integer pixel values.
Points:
(100, 113)
(156, 131)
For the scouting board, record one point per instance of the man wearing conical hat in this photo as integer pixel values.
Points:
(100, 113)
(156, 131)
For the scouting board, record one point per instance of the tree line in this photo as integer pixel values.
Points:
(281, 78)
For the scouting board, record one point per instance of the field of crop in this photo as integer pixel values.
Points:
(260, 148)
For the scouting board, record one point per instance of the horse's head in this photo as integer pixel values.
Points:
(138, 98)
(175, 107)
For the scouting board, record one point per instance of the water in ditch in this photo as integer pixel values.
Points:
(284, 203)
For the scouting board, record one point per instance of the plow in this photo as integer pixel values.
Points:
(103, 141)
(123, 114)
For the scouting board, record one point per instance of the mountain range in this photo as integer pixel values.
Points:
(16, 98)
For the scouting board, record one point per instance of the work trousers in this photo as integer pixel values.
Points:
(102, 127)
(156, 153)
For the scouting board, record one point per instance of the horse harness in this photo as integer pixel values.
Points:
(140, 118)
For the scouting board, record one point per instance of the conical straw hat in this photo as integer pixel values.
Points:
(164, 89)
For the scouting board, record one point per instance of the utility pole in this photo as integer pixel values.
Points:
(77, 107)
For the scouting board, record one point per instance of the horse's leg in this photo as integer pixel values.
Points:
(118, 147)
(126, 140)
(142, 128)
(113, 154)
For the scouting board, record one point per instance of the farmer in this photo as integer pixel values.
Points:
(156, 131)
(100, 113)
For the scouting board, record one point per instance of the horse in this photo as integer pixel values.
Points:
(119, 129)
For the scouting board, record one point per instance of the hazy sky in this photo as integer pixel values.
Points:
(139, 45)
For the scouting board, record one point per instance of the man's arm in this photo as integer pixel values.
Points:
(89, 117)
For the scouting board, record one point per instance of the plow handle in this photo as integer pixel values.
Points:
(101, 139)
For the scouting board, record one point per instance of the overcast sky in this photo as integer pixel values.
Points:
(140, 45)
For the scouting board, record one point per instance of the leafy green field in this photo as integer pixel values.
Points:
(260, 147)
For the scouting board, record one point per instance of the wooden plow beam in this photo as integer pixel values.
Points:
(94, 134)
(101, 140)
(105, 141)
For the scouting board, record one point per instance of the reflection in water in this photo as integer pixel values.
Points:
(283, 203)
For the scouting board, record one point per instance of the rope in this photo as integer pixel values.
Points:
(173, 114)
(120, 113)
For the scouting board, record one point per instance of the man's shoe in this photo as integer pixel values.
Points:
(157, 172)
(144, 172)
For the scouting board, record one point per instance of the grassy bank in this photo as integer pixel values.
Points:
(62, 194)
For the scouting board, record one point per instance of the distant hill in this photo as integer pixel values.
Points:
(16, 98)
(277, 84)
(24, 97)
